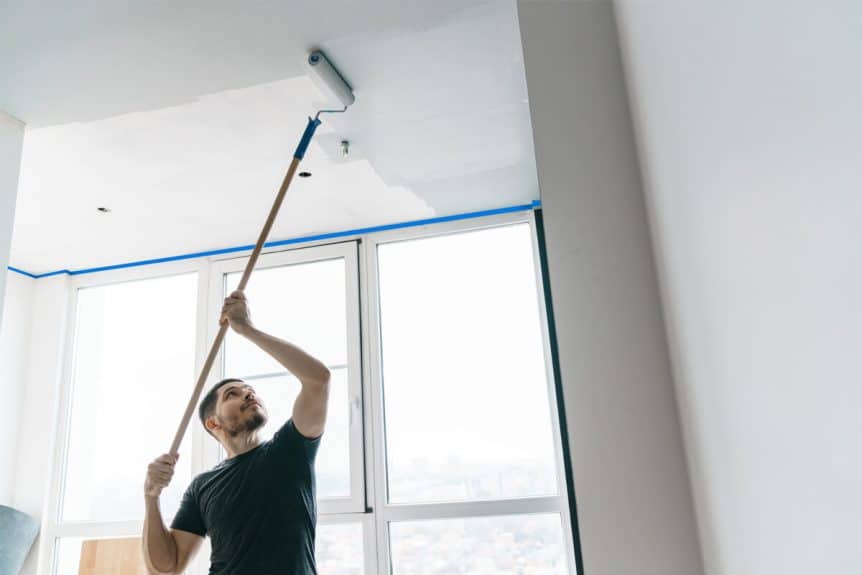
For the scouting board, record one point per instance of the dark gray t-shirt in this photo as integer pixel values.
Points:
(258, 508)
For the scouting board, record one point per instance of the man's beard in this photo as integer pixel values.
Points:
(255, 421)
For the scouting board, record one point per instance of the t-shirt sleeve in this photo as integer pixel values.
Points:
(189, 517)
(288, 439)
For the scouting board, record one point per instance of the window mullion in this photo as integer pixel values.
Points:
(374, 415)
(51, 515)
(286, 373)
(100, 529)
(461, 509)
(201, 456)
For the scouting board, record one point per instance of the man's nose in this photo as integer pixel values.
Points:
(249, 395)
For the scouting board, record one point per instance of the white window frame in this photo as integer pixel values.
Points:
(53, 528)
(368, 503)
(347, 251)
(386, 513)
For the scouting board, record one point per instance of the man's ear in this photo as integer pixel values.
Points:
(211, 424)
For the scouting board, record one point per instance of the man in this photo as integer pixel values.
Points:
(258, 506)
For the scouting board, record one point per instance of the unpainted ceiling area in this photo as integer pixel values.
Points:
(183, 118)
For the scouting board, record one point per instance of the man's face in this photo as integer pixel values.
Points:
(239, 409)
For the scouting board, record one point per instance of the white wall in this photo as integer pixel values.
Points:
(11, 140)
(750, 123)
(11, 374)
(14, 355)
(38, 418)
(633, 494)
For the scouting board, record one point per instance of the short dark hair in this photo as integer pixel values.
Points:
(207, 406)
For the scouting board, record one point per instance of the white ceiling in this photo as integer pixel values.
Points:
(182, 118)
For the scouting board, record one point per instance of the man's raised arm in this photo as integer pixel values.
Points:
(309, 410)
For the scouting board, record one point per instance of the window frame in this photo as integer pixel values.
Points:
(355, 503)
(53, 527)
(385, 512)
(368, 504)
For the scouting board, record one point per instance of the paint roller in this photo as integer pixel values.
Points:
(332, 83)
(329, 79)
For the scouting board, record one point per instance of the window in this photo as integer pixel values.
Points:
(442, 451)
(310, 297)
(461, 335)
(468, 418)
(500, 544)
(339, 548)
(134, 346)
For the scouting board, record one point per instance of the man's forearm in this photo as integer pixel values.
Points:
(160, 549)
(303, 366)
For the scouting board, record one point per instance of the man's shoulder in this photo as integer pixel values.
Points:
(224, 466)
(208, 475)
(290, 432)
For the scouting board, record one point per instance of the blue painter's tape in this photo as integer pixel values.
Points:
(191, 256)
(55, 273)
(398, 226)
(22, 272)
(306, 138)
(535, 204)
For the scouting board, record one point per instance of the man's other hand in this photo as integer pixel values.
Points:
(159, 474)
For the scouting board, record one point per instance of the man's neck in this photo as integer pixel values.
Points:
(240, 444)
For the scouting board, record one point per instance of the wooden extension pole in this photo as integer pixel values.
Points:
(264, 233)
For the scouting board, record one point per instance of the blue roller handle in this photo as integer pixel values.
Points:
(306, 138)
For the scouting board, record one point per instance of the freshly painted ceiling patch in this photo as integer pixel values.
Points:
(217, 163)
(418, 135)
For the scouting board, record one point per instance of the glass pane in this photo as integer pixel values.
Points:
(332, 465)
(68, 556)
(303, 303)
(339, 549)
(466, 398)
(516, 544)
(133, 375)
(96, 556)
